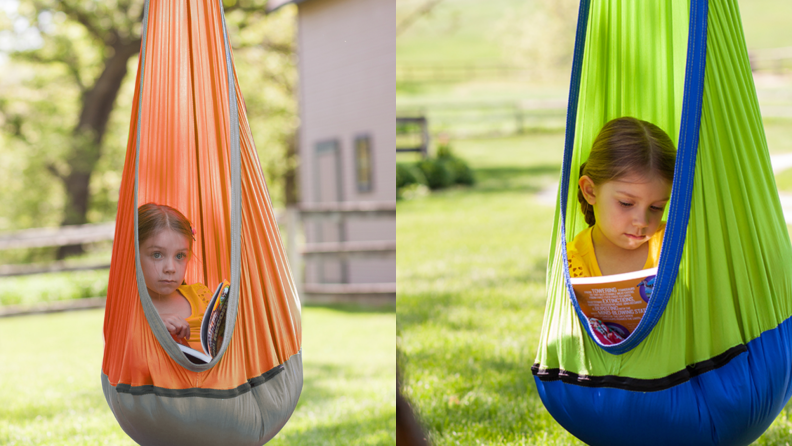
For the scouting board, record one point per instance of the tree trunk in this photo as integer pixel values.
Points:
(87, 136)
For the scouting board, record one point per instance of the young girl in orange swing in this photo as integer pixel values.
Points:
(623, 190)
(166, 237)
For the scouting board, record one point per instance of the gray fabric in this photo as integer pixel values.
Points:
(252, 418)
(201, 392)
(156, 324)
(236, 197)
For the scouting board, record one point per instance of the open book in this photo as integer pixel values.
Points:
(614, 305)
(212, 327)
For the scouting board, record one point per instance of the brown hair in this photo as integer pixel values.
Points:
(153, 218)
(627, 146)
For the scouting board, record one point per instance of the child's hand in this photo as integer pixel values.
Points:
(176, 325)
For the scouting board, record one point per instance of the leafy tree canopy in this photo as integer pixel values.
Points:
(65, 102)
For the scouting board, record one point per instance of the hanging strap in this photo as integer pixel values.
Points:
(154, 320)
(684, 171)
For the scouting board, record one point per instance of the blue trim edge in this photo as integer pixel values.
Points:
(731, 405)
(679, 211)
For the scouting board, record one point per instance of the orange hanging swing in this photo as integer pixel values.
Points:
(190, 147)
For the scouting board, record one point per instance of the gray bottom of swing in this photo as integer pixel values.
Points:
(252, 414)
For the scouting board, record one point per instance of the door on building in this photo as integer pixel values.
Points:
(328, 189)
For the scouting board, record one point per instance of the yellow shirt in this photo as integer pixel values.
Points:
(583, 262)
(198, 295)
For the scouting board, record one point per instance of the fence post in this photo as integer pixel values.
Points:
(425, 137)
(292, 251)
(518, 115)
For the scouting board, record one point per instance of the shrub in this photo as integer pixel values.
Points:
(460, 170)
(444, 151)
(437, 173)
(407, 174)
(462, 173)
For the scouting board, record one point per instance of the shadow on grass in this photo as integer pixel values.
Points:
(523, 179)
(416, 308)
(316, 389)
(374, 429)
(419, 311)
(322, 397)
(479, 391)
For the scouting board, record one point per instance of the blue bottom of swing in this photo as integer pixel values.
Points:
(730, 405)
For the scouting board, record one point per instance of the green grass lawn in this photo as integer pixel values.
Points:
(784, 181)
(50, 393)
(471, 269)
(51, 287)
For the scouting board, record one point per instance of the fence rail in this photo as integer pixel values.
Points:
(54, 267)
(292, 219)
(466, 119)
(412, 135)
(357, 249)
(417, 72)
(763, 59)
(65, 235)
(44, 237)
(344, 250)
(361, 209)
(771, 59)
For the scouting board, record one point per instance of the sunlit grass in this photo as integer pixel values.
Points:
(52, 287)
(470, 271)
(50, 392)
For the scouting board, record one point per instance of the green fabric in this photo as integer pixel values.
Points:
(734, 280)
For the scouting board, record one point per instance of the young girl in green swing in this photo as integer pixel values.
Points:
(623, 190)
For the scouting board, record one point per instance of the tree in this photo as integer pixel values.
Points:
(540, 35)
(404, 23)
(82, 61)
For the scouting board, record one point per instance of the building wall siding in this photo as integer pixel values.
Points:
(347, 65)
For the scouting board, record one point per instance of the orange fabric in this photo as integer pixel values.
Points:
(583, 261)
(184, 163)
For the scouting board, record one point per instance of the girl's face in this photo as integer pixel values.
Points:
(164, 258)
(629, 210)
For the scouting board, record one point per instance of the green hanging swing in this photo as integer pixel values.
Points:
(711, 360)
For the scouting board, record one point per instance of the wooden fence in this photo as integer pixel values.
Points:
(446, 72)
(764, 59)
(778, 60)
(472, 119)
(43, 237)
(290, 221)
(377, 293)
(412, 135)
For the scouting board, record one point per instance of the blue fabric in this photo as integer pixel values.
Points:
(569, 146)
(731, 405)
(679, 207)
(684, 171)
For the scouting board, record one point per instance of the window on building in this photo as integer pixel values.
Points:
(364, 164)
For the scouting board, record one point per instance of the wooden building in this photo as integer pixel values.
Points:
(347, 137)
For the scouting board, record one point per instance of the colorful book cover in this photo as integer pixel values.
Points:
(615, 304)
(217, 322)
